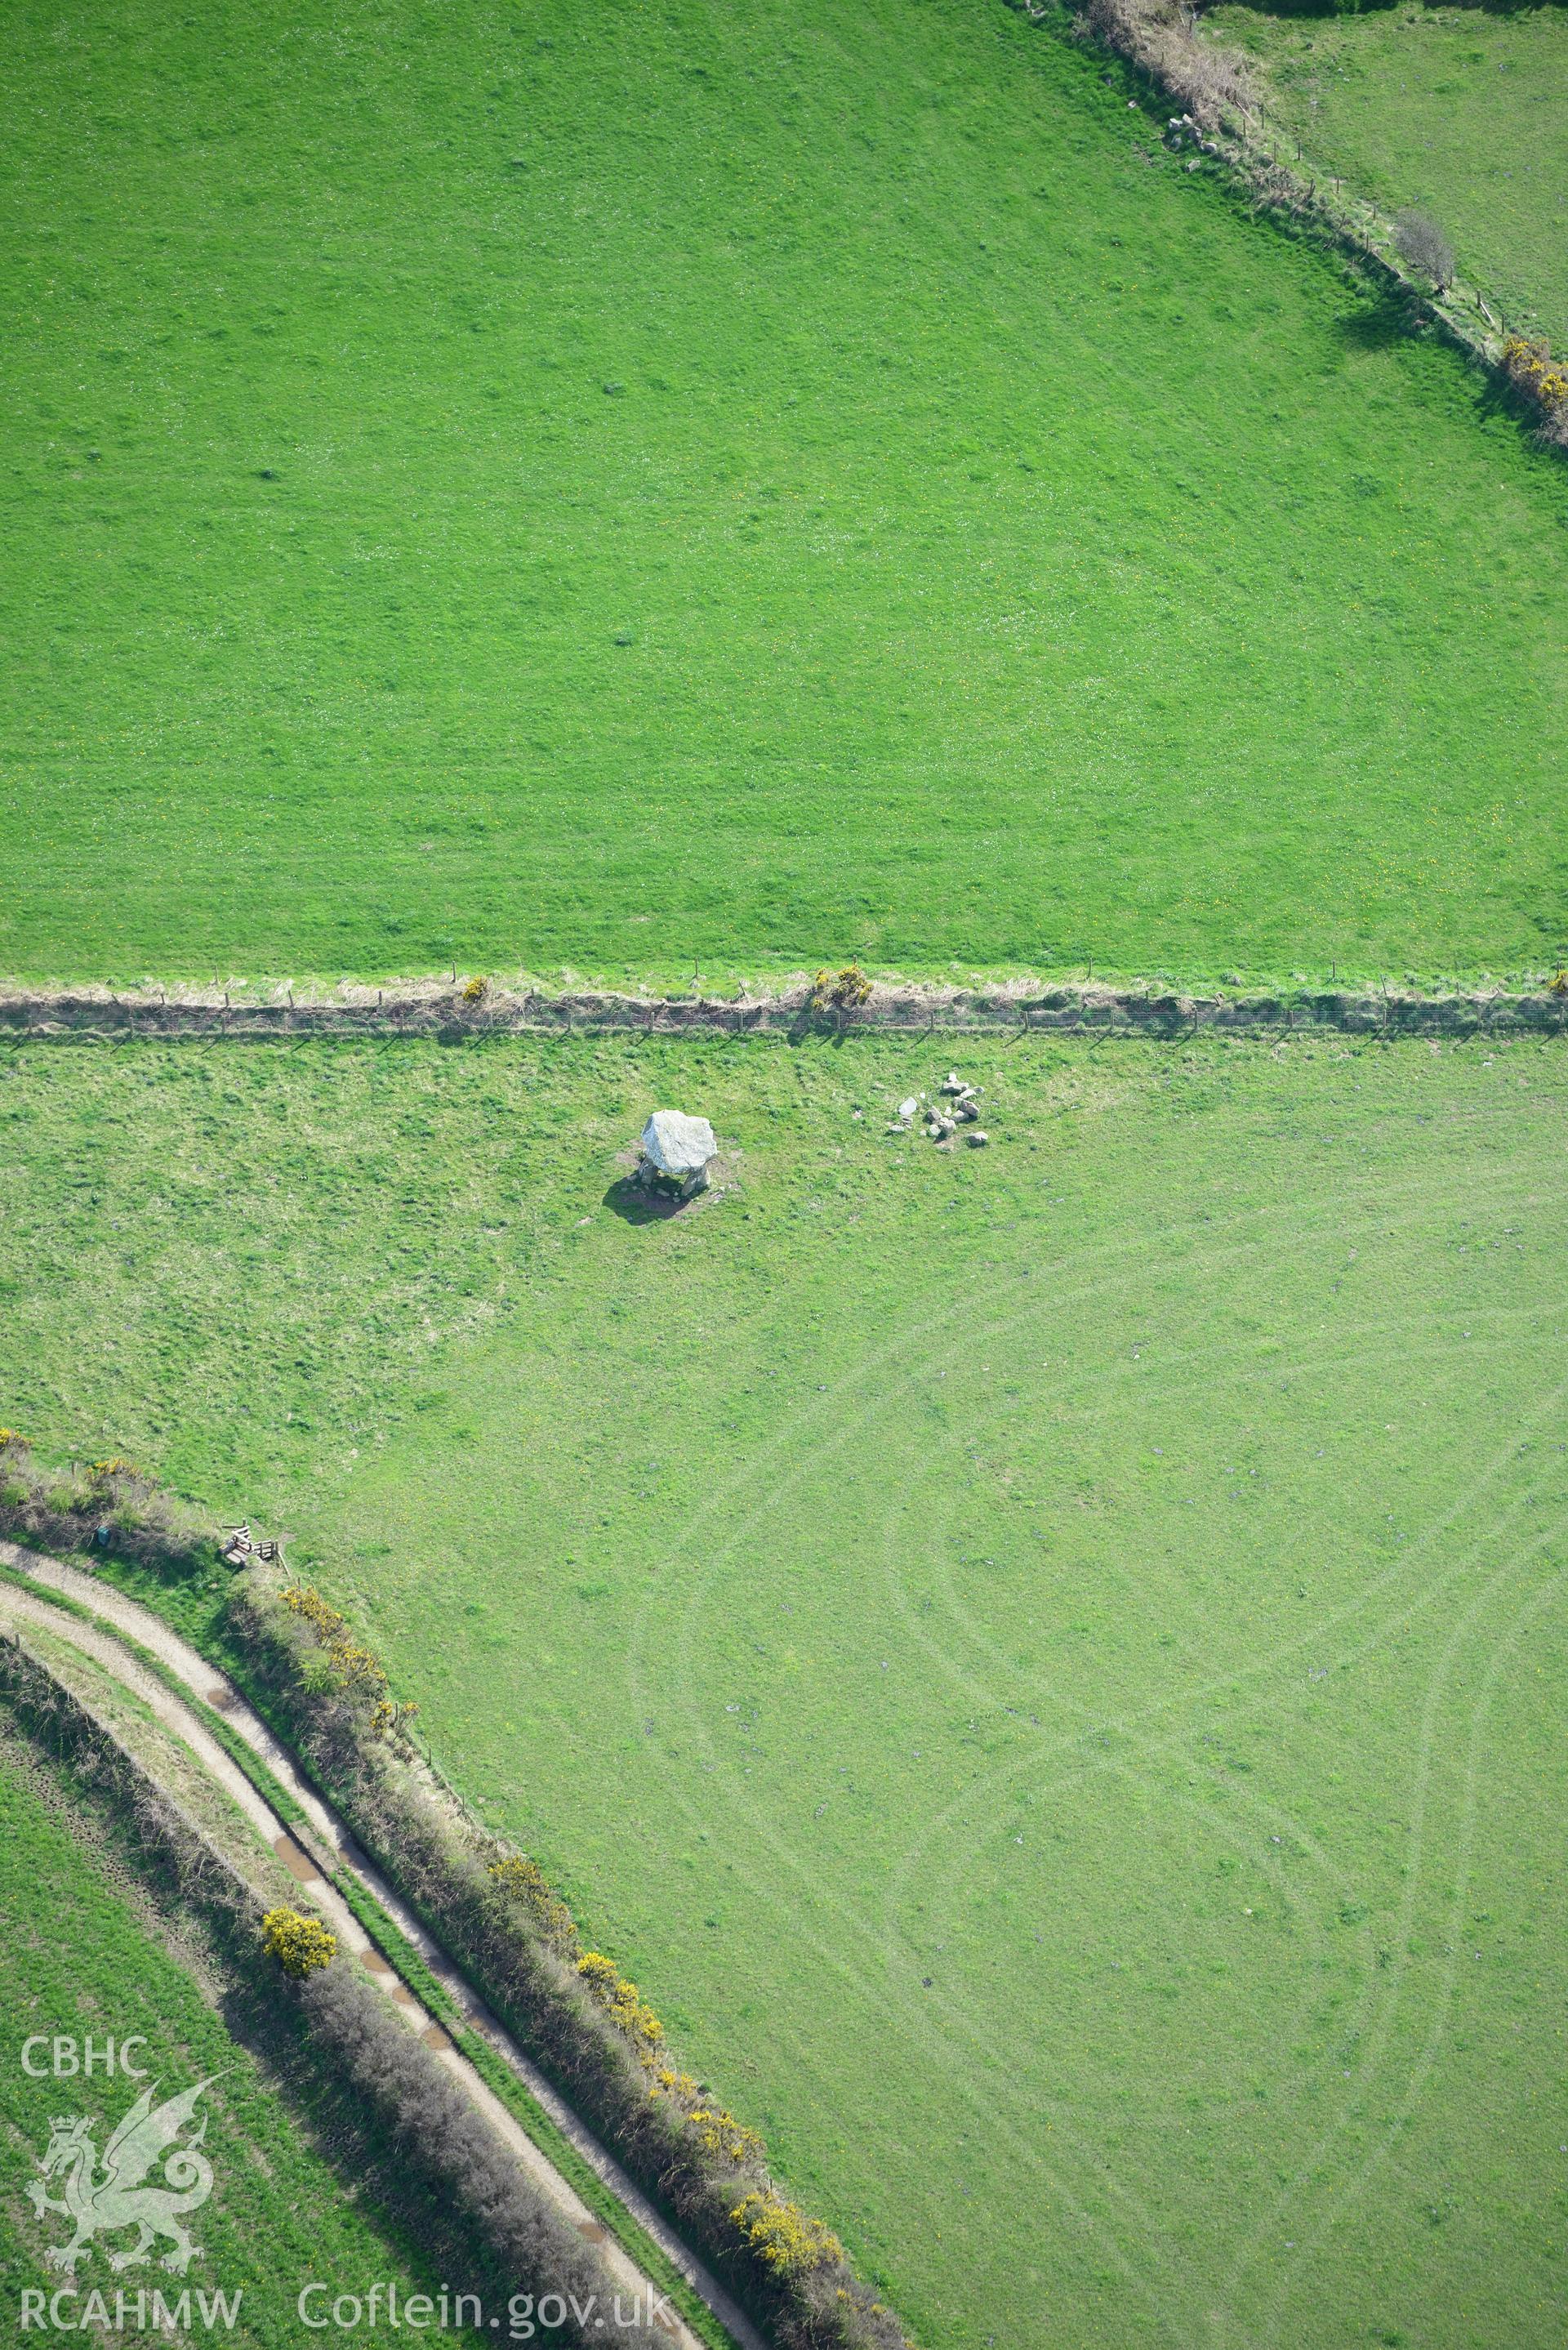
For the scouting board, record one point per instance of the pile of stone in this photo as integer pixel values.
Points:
(1182, 131)
(957, 1104)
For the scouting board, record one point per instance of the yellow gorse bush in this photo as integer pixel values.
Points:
(309, 1604)
(717, 2131)
(354, 1668)
(845, 987)
(300, 1945)
(526, 1882)
(634, 2015)
(714, 2128)
(787, 2239)
(1532, 364)
(668, 2082)
(620, 2001)
(600, 1973)
(475, 990)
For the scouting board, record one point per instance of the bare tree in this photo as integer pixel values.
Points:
(1422, 243)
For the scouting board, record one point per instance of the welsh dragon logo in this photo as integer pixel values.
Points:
(101, 2201)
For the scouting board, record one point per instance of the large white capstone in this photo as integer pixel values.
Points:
(679, 1147)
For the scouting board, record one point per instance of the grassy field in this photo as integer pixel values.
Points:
(79, 1956)
(1043, 1662)
(1459, 112)
(727, 486)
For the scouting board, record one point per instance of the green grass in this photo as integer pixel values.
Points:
(730, 486)
(1184, 1472)
(78, 1957)
(412, 1970)
(1459, 112)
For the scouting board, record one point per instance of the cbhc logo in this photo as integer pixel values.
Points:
(67, 2058)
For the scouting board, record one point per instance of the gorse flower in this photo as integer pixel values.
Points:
(845, 988)
(300, 1945)
(620, 2001)
(680, 2086)
(714, 2128)
(1533, 365)
(718, 2132)
(526, 1882)
(354, 1668)
(600, 1974)
(785, 2237)
(309, 1604)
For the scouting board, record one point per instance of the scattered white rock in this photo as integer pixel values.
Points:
(977, 1139)
(959, 1105)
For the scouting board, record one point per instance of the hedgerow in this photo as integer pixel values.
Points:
(1225, 119)
(577, 2016)
(443, 2143)
(108, 1506)
(434, 2122)
(1530, 366)
(571, 2008)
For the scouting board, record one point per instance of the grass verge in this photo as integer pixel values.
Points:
(1179, 1473)
(84, 1955)
(640, 490)
(412, 1970)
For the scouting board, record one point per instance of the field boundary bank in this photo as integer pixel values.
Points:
(318, 1847)
(1016, 1007)
(157, 1828)
(386, 1816)
(1211, 84)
